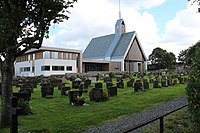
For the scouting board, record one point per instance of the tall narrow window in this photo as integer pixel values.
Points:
(46, 54)
(54, 55)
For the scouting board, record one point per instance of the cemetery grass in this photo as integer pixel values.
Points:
(57, 115)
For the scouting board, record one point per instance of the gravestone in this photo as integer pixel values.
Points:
(120, 84)
(112, 91)
(137, 86)
(22, 95)
(130, 82)
(98, 85)
(82, 88)
(155, 84)
(61, 85)
(73, 94)
(64, 90)
(164, 83)
(75, 84)
(145, 85)
(95, 94)
(87, 83)
(109, 85)
(47, 90)
(169, 82)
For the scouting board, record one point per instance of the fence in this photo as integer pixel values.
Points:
(152, 120)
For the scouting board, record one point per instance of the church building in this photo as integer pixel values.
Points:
(120, 51)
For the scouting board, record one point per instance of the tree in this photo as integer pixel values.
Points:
(162, 59)
(23, 25)
(193, 90)
(187, 56)
(182, 56)
(195, 2)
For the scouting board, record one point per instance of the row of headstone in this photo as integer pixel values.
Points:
(96, 94)
(139, 86)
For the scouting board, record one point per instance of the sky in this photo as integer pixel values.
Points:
(172, 25)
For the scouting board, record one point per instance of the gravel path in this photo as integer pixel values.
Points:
(119, 125)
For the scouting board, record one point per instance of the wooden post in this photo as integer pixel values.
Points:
(14, 112)
(161, 125)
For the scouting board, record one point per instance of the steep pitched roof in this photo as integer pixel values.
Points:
(98, 47)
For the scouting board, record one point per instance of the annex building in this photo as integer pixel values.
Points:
(48, 61)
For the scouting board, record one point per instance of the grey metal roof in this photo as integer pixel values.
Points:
(123, 44)
(99, 46)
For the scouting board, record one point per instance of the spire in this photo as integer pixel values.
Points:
(119, 11)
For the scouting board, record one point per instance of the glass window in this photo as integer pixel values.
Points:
(67, 56)
(45, 68)
(46, 54)
(70, 56)
(69, 68)
(54, 55)
(58, 68)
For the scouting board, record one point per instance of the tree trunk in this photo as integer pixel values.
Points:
(7, 77)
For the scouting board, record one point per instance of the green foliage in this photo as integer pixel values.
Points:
(162, 59)
(23, 25)
(24, 107)
(111, 75)
(187, 56)
(193, 89)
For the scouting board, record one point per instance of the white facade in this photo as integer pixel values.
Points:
(48, 66)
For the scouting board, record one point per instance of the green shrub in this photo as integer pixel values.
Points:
(111, 75)
(24, 106)
(193, 91)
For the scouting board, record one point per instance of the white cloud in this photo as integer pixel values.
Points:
(182, 31)
(93, 18)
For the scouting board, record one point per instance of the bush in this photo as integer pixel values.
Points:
(24, 106)
(111, 75)
(193, 91)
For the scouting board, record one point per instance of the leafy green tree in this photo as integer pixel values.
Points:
(193, 90)
(23, 25)
(187, 56)
(182, 56)
(162, 59)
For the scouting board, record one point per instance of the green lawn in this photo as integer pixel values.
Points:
(58, 116)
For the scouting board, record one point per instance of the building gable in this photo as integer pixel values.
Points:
(135, 53)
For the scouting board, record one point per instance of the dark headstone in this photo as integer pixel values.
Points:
(169, 82)
(164, 83)
(64, 90)
(47, 89)
(87, 83)
(146, 85)
(120, 84)
(96, 94)
(155, 84)
(109, 85)
(73, 94)
(137, 86)
(98, 85)
(112, 91)
(130, 82)
(75, 84)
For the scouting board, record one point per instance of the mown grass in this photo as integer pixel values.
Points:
(58, 116)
